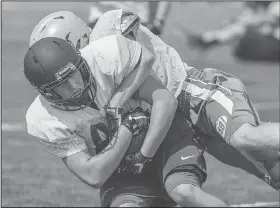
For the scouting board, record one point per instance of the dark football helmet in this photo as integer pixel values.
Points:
(51, 61)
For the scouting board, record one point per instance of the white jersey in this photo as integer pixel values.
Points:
(168, 67)
(111, 59)
(65, 133)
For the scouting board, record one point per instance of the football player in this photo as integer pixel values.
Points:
(76, 132)
(130, 64)
(153, 14)
(38, 122)
(204, 88)
(187, 193)
(255, 13)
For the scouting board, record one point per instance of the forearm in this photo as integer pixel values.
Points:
(136, 78)
(130, 85)
(105, 163)
(162, 114)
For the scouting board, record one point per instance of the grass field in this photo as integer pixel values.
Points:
(32, 177)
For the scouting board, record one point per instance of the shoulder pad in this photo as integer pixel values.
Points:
(130, 23)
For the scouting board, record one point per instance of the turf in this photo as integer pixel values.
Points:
(32, 177)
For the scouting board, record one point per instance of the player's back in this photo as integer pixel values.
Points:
(168, 67)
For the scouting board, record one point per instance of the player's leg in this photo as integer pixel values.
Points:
(229, 155)
(184, 179)
(234, 29)
(263, 136)
(157, 16)
(126, 190)
(184, 168)
(230, 115)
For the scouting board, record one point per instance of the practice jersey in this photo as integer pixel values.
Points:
(168, 67)
(110, 60)
(65, 133)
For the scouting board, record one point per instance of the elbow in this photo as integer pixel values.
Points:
(171, 101)
(96, 182)
(166, 98)
(96, 179)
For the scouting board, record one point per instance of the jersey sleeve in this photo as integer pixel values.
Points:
(117, 56)
(56, 137)
(116, 22)
(108, 24)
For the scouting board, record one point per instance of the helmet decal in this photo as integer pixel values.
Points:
(68, 69)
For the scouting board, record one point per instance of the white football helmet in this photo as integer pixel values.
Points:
(65, 25)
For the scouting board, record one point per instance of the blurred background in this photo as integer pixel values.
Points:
(237, 37)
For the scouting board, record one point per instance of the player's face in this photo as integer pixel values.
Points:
(71, 86)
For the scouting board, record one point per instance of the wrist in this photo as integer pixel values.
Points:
(142, 158)
(145, 154)
(132, 127)
(125, 129)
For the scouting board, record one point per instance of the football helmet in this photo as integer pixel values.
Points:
(65, 25)
(50, 62)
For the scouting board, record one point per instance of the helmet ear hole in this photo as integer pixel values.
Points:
(78, 46)
(60, 17)
(62, 24)
(35, 60)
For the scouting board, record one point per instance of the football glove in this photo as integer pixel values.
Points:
(137, 162)
(137, 120)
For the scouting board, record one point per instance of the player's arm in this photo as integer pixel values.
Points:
(137, 73)
(95, 170)
(164, 106)
(77, 152)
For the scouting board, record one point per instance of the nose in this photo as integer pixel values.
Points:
(74, 86)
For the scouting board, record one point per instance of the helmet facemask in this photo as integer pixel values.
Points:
(81, 99)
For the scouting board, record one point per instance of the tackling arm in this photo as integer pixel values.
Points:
(95, 170)
(164, 106)
(131, 83)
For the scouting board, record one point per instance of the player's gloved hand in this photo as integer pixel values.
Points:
(137, 120)
(114, 117)
(137, 162)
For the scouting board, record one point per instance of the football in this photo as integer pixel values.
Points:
(136, 143)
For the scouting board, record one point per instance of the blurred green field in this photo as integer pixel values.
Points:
(32, 177)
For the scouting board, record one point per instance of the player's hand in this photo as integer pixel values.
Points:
(137, 120)
(114, 117)
(137, 162)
